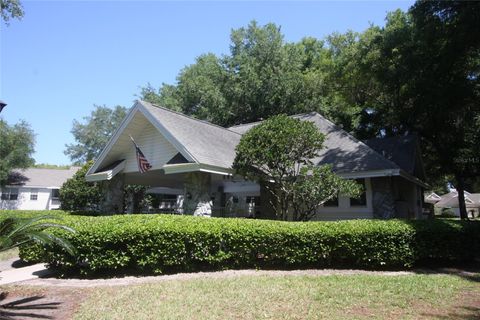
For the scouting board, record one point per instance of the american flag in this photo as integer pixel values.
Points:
(143, 164)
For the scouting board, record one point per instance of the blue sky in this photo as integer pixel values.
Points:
(65, 56)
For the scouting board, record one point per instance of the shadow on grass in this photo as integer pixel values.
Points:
(467, 272)
(466, 313)
(447, 247)
(26, 308)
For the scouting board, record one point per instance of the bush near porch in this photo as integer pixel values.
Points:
(171, 243)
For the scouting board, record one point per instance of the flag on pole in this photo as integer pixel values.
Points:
(143, 164)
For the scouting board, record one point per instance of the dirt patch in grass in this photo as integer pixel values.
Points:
(18, 303)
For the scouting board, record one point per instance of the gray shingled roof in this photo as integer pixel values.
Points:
(214, 145)
(36, 177)
(399, 149)
(207, 143)
(341, 150)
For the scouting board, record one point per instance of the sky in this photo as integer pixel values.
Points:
(64, 57)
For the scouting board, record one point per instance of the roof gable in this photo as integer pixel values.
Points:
(205, 142)
(150, 137)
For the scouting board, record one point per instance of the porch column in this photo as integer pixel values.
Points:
(113, 200)
(382, 198)
(197, 200)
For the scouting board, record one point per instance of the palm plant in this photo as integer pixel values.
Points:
(16, 231)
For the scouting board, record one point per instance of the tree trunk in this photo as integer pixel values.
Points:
(461, 198)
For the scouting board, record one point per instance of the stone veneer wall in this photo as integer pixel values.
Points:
(113, 200)
(383, 200)
(197, 200)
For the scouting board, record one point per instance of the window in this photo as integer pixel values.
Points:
(362, 200)
(9, 194)
(55, 194)
(333, 202)
(34, 194)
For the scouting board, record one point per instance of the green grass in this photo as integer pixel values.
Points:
(5, 255)
(289, 297)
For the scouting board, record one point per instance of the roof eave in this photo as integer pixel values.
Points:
(107, 174)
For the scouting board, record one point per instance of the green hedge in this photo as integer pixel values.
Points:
(169, 243)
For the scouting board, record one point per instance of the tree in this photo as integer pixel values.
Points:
(428, 72)
(16, 148)
(11, 9)
(15, 231)
(278, 154)
(314, 186)
(166, 96)
(92, 136)
(77, 194)
(262, 76)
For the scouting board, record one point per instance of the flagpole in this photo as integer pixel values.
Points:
(131, 138)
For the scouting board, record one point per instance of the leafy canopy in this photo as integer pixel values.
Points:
(278, 153)
(314, 186)
(16, 148)
(262, 76)
(76, 194)
(11, 9)
(92, 135)
(276, 148)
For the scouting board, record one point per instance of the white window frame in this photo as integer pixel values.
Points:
(33, 194)
(9, 192)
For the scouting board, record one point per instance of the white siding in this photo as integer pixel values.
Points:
(154, 146)
(43, 202)
(345, 211)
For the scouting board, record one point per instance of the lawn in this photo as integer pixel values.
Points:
(6, 255)
(290, 297)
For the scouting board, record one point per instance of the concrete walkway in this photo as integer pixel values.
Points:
(11, 274)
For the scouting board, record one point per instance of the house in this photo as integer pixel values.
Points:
(450, 201)
(34, 189)
(432, 198)
(194, 158)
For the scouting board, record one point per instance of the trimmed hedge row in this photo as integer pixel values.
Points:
(170, 243)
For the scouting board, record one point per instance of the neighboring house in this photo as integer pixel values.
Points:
(450, 201)
(195, 158)
(432, 198)
(34, 189)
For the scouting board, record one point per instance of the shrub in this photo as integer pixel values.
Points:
(78, 194)
(170, 243)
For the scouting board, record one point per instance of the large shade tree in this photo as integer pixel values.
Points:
(426, 69)
(92, 135)
(16, 148)
(263, 75)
